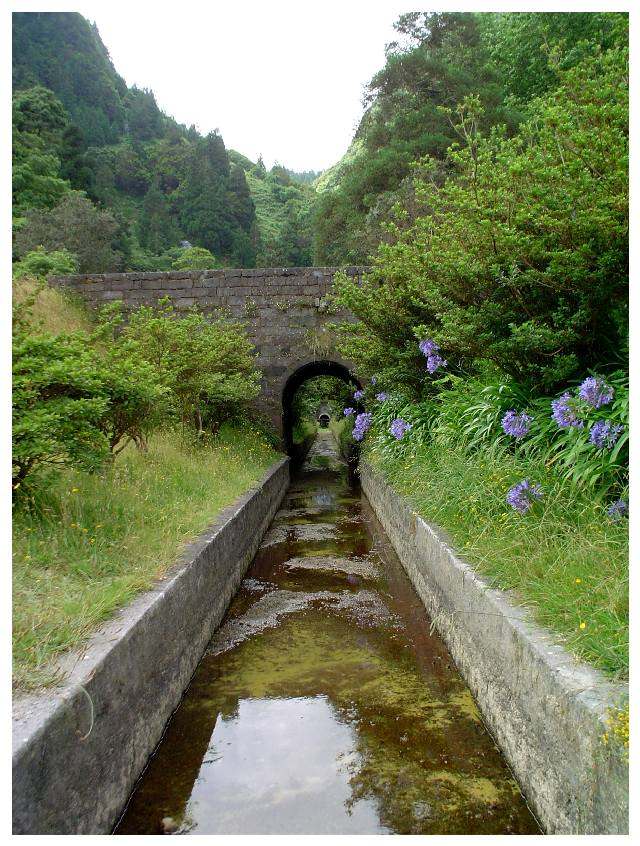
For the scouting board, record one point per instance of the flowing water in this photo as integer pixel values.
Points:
(323, 704)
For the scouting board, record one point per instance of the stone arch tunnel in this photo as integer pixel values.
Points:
(285, 310)
(309, 370)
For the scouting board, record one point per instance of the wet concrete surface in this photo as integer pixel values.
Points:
(323, 704)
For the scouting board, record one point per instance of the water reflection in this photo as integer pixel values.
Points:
(265, 766)
(323, 704)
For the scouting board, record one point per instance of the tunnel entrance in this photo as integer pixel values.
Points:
(320, 404)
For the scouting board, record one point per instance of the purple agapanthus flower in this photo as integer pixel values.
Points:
(358, 395)
(617, 509)
(522, 496)
(595, 391)
(382, 396)
(362, 426)
(564, 412)
(431, 350)
(516, 425)
(399, 428)
(349, 411)
(435, 362)
(604, 434)
(428, 347)
(374, 380)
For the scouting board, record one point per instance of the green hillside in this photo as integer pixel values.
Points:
(92, 154)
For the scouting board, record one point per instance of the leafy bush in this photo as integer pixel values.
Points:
(58, 405)
(41, 263)
(195, 258)
(206, 365)
(74, 404)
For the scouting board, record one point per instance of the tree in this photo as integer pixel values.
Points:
(38, 122)
(203, 193)
(531, 48)
(76, 225)
(144, 118)
(158, 230)
(443, 61)
(37, 111)
(520, 256)
(73, 163)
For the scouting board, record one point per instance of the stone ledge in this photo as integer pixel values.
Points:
(79, 749)
(545, 709)
(225, 273)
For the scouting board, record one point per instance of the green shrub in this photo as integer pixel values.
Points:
(206, 365)
(40, 263)
(75, 405)
(195, 258)
(519, 256)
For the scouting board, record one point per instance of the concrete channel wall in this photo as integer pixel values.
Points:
(546, 710)
(79, 749)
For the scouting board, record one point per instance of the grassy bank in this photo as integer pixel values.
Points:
(89, 543)
(565, 559)
(52, 310)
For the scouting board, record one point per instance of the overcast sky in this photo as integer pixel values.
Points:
(280, 79)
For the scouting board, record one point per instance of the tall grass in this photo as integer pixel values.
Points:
(565, 559)
(86, 544)
(53, 310)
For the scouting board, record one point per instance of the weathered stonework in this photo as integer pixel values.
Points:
(284, 308)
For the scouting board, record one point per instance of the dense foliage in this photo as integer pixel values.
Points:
(500, 59)
(284, 204)
(75, 405)
(206, 364)
(327, 392)
(79, 398)
(519, 256)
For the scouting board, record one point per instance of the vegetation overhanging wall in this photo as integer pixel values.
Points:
(547, 711)
(78, 750)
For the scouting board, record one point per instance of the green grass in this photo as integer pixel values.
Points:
(565, 559)
(53, 310)
(88, 544)
(303, 429)
(342, 428)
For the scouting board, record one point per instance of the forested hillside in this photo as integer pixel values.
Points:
(97, 163)
(440, 60)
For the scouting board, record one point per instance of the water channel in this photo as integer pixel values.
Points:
(323, 704)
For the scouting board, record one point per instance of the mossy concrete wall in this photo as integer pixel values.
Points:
(79, 749)
(546, 710)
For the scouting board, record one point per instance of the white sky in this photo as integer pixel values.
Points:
(278, 78)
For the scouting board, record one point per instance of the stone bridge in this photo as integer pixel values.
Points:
(285, 310)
